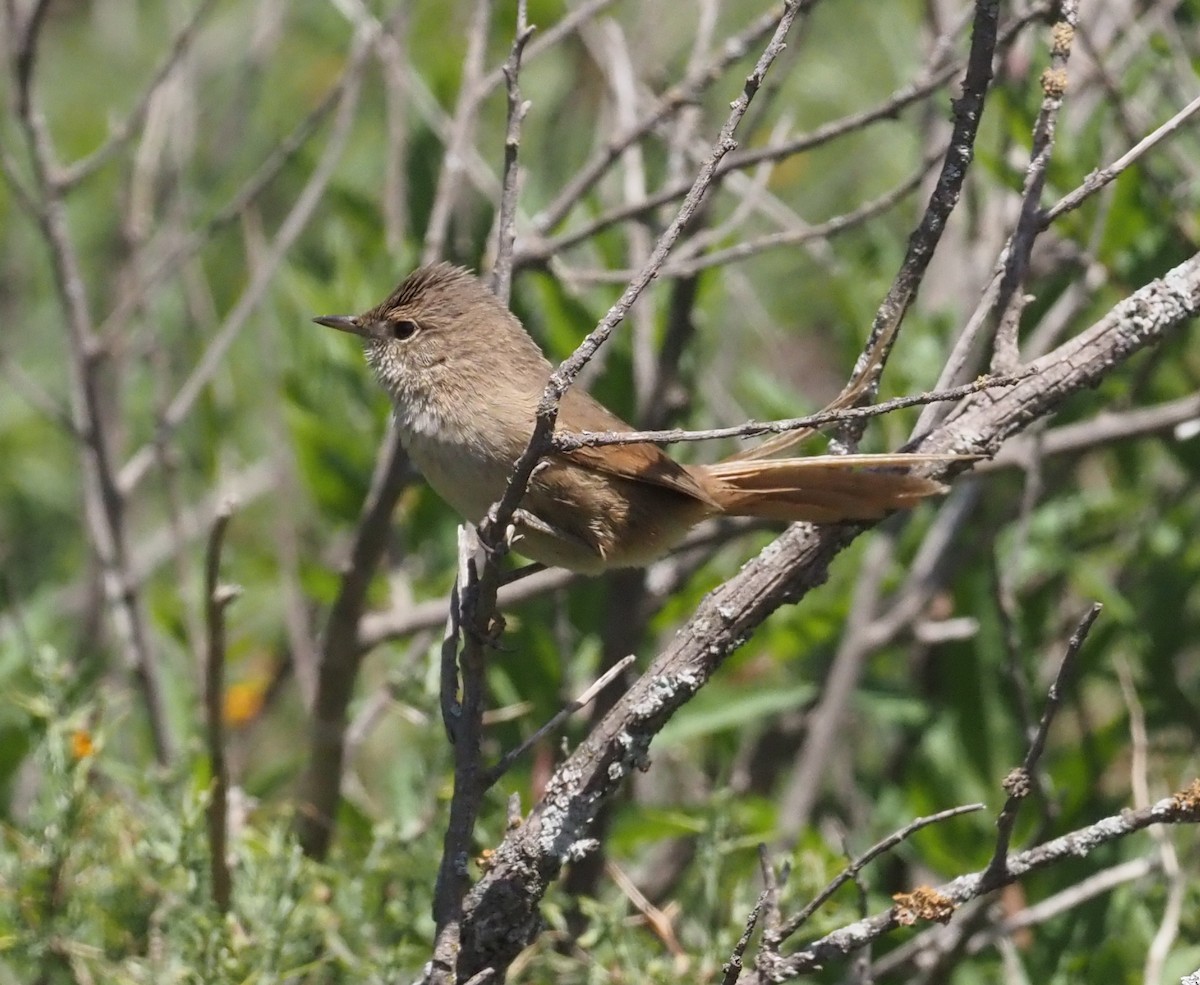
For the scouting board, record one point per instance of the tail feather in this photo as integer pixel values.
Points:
(820, 489)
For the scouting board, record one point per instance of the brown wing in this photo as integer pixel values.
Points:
(643, 463)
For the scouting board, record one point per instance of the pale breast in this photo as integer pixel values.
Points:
(469, 479)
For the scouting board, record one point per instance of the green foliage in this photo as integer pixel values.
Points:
(105, 876)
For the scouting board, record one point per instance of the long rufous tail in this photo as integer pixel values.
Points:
(820, 489)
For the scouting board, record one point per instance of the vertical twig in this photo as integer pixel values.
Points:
(216, 598)
(1168, 927)
(471, 627)
(517, 108)
(1010, 301)
(465, 112)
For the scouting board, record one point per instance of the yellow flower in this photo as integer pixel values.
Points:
(82, 745)
(243, 701)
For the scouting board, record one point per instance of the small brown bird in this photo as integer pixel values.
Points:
(466, 378)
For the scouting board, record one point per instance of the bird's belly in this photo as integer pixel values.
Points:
(469, 482)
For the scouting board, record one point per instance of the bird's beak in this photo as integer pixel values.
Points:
(344, 323)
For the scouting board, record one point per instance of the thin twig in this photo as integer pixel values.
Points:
(517, 108)
(732, 968)
(771, 914)
(492, 775)
(1103, 176)
(1182, 808)
(1017, 783)
(1010, 299)
(216, 598)
(569, 441)
(872, 853)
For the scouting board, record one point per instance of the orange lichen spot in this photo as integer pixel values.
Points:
(82, 744)
(923, 903)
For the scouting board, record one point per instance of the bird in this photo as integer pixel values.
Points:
(465, 378)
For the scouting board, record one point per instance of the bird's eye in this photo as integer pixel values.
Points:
(403, 330)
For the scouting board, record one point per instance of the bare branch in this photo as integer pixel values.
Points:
(1018, 784)
(733, 967)
(568, 441)
(216, 598)
(507, 234)
(856, 866)
(492, 775)
(1010, 299)
(1182, 808)
(1103, 176)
